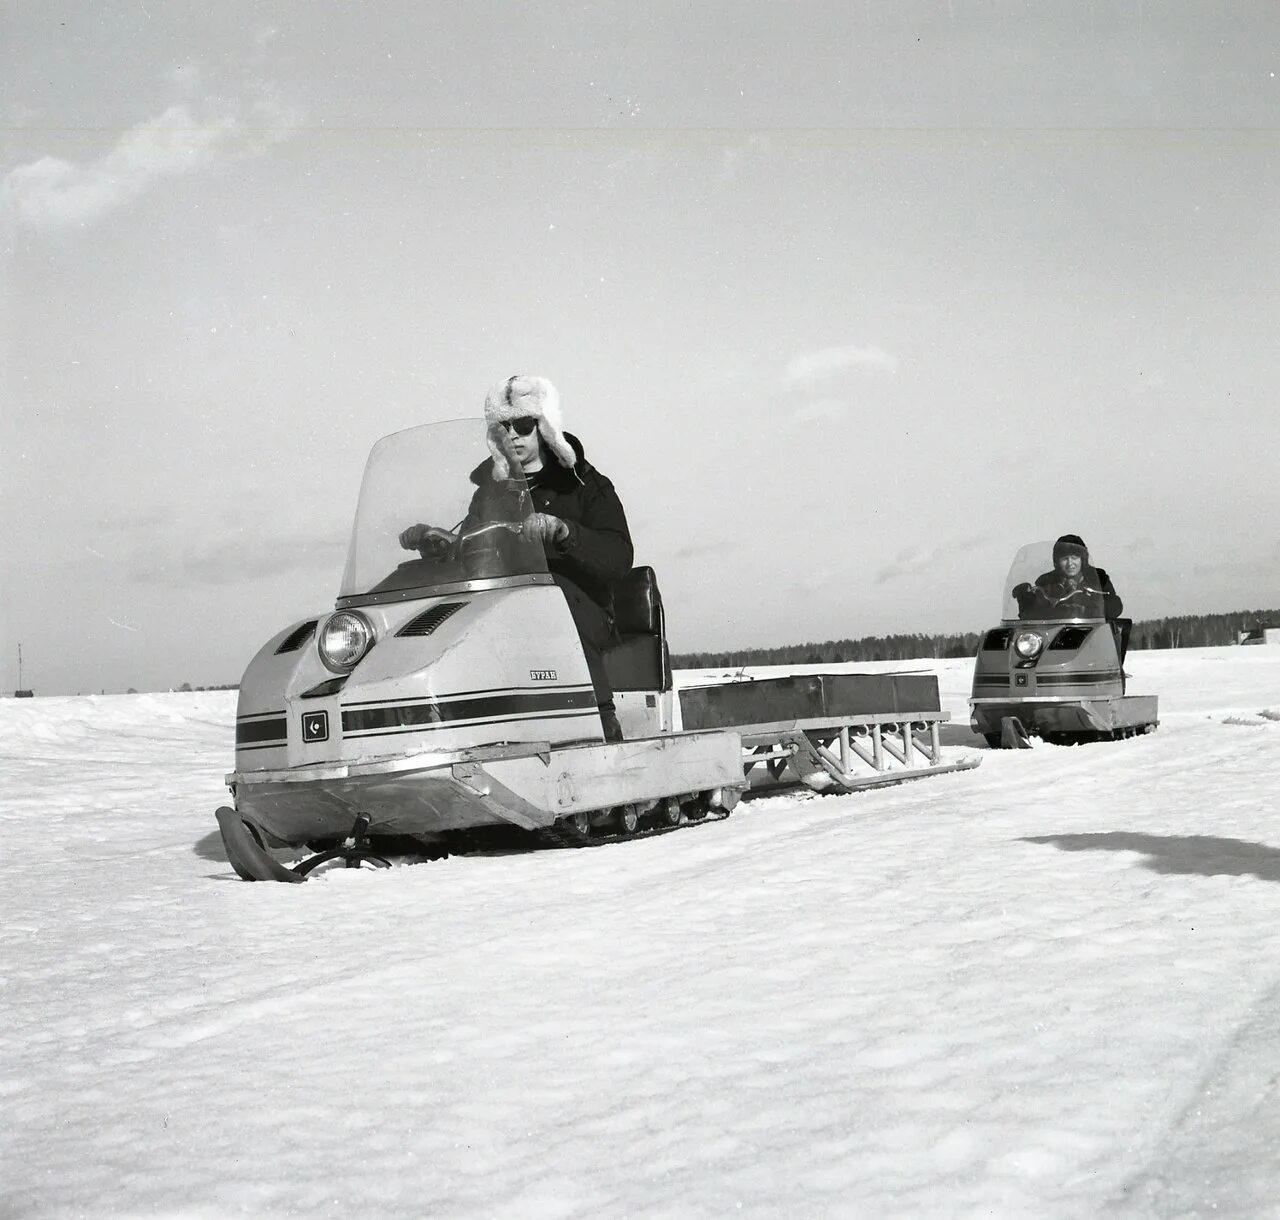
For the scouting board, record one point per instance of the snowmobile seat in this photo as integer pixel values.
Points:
(639, 661)
(1121, 628)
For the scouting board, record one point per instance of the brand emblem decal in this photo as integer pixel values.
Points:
(1019, 679)
(315, 726)
(542, 675)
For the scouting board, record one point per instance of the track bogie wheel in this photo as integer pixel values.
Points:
(626, 819)
(695, 810)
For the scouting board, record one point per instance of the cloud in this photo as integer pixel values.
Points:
(1137, 545)
(824, 410)
(815, 581)
(51, 193)
(917, 559)
(698, 550)
(186, 77)
(18, 114)
(742, 159)
(719, 380)
(140, 520)
(809, 367)
(240, 559)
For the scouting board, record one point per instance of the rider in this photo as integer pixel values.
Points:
(572, 510)
(1073, 588)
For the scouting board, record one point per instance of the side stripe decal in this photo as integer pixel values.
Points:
(417, 715)
(251, 732)
(466, 694)
(476, 724)
(1086, 679)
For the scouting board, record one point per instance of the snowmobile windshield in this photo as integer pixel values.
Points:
(1037, 588)
(431, 515)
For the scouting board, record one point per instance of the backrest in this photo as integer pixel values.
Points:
(637, 604)
(639, 661)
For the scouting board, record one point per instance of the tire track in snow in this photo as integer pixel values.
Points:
(1219, 1159)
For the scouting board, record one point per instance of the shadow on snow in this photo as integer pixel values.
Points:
(1200, 855)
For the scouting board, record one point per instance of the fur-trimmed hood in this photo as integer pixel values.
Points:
(1070, 544)
(535, 397)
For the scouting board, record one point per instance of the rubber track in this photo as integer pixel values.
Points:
(559, 836)
(565, 834)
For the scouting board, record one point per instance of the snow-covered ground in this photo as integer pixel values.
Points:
(1048, 987)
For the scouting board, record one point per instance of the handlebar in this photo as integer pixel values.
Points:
(1057, 601)
(513, 527)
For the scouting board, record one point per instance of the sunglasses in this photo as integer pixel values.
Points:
(522, 426)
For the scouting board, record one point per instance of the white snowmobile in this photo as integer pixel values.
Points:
(1054, 668)
(448, 692)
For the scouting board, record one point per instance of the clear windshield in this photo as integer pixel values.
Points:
(1037, 588)
(430, 513)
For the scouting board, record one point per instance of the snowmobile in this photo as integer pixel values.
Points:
(447, 693)
(1054, 668)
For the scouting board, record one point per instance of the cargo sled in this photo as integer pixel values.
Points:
(447, 694)
(1054, 668)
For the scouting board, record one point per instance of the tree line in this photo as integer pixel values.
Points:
(1199, 630)
(1178, 631)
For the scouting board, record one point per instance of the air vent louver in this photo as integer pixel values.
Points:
(426, 622)
(1069, 637)
(297, 637)
(330, 687)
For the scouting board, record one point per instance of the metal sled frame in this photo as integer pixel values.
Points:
(848, 754)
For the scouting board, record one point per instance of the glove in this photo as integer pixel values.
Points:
(1023, 591)
(543, 527)
(429, 541)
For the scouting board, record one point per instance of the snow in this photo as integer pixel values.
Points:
(1046, 987)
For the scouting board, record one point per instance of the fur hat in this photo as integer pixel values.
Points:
(1070, 544)
(525, 395)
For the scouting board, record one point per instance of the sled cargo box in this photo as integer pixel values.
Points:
(810, 697)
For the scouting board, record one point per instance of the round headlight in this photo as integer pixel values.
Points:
(1028, 644)
(344, 639)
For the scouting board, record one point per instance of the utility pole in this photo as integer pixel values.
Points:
(21, 692)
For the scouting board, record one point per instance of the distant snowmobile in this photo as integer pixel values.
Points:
(448, 692)
(1054, 668)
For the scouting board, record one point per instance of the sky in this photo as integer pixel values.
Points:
(848, 300)
(962, 996)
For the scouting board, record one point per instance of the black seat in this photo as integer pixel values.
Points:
(1120, 628)
(639, 661)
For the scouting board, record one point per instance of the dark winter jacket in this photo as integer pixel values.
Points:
(1097, 597)
(598, 549)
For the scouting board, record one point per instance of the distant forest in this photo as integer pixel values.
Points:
(1180, 631)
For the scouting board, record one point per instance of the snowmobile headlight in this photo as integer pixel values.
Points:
(1028, 644)
(344, 639)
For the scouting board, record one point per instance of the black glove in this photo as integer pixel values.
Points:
(430, 541)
